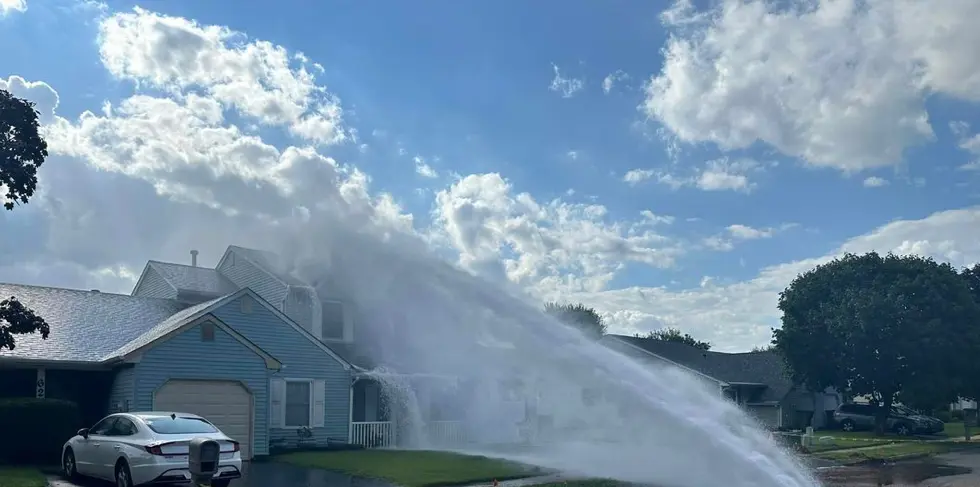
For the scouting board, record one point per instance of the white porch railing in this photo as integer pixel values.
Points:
(445, 433)
(372, 434)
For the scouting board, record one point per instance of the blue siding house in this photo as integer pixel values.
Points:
(216, 342)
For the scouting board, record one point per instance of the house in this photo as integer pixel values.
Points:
(757, 381)
(258, 352)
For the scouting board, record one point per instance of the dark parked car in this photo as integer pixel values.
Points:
(901, 420)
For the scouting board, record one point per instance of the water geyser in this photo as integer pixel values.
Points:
(421, 315)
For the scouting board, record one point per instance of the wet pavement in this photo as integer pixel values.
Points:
(903, 473)
(268, 475)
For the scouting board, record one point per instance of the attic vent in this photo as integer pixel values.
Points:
(94, 290)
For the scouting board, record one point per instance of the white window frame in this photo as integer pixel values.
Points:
(285, 401)
(344, 310)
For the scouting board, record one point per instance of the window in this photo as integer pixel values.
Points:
(207, 331)
(122, 427)
(333, 320)
(103, 427)
(298, 397)
(165, 425)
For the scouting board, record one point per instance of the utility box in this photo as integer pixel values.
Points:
(202, 457)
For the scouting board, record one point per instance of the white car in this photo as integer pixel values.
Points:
(140, 448)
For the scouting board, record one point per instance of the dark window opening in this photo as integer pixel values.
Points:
(333, 320)
(165, 425)
(207, 332)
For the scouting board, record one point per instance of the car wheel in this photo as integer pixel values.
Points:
(123, 476)
(847, 425)
(902, 429)
(221, 483)
(68, 466)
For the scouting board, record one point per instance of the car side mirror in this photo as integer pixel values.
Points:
(83, 433)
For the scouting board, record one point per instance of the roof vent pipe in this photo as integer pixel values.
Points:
(194, 258)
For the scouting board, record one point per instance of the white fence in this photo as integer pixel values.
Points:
(380, 434)
(372, 434)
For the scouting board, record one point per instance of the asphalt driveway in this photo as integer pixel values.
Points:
(271, 474)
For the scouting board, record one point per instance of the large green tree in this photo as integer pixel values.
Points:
(675, 335)
(881, 327)
(578, 316)
(22, 151)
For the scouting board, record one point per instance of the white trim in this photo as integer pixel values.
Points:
(270, 361)
(665, 359)
(285, 397)
(143, 274)
(350, 410)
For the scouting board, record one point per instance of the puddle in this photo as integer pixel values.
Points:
(905, 473)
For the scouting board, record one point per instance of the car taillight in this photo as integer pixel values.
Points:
(157, 449)
(154, 450)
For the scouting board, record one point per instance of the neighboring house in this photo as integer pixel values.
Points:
(757, 381)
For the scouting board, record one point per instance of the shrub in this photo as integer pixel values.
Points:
(956, 414)
(944, 416)
(35, 429)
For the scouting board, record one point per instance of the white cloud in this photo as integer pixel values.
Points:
(837, 83)
(716, 175)
(423, 169)
(744, 232)
(636, 176)
(874, 182)
(657, 219)
(256, 78)
(567, 87)
(610, 81)
(969, 143)
(737, 232)
(8, 6)
(44, 97)
(553, 245)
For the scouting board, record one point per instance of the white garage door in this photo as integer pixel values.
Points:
(225, 403)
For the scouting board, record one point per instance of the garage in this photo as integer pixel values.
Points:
(227, 404)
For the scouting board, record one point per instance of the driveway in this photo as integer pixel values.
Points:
(270, 474)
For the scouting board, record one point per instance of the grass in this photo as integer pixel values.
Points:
(892, 451)
(21, 477)
(412, 468)
(585, 483)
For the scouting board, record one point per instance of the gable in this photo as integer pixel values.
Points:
(152, 284)
(273, 331)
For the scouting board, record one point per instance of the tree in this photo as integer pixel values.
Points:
(578, 316)
(881, 327)
(674, 335)
(22, 151)
(15, 319)
(767, 348)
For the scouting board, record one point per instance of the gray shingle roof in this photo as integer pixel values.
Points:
(195, 279)
(749, 367)
(271, 262)
(162, 328)
(85, 325)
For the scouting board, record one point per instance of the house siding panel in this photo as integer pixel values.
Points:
(122, 394)
(186, 356)
(303, 359)
(154, 285)
(245, 274)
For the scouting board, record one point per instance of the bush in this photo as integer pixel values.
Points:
(944, 416)
(956, 414)
(34, 430)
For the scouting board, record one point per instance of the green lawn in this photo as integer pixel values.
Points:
(412, 468)
(892, 451)
(586, 483)
(21, 477)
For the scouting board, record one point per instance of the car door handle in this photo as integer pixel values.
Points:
(96, 445)
(117, 447)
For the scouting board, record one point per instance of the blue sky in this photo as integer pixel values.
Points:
(823, 145)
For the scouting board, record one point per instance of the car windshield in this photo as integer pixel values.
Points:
(903, 410)
(180, 425)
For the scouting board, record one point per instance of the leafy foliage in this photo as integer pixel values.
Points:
(40, 427)
(674, 335)
(15, 319)
(22, 150)
(578, 316)
(880, 326)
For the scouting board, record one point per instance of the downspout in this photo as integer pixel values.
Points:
(350, 408)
